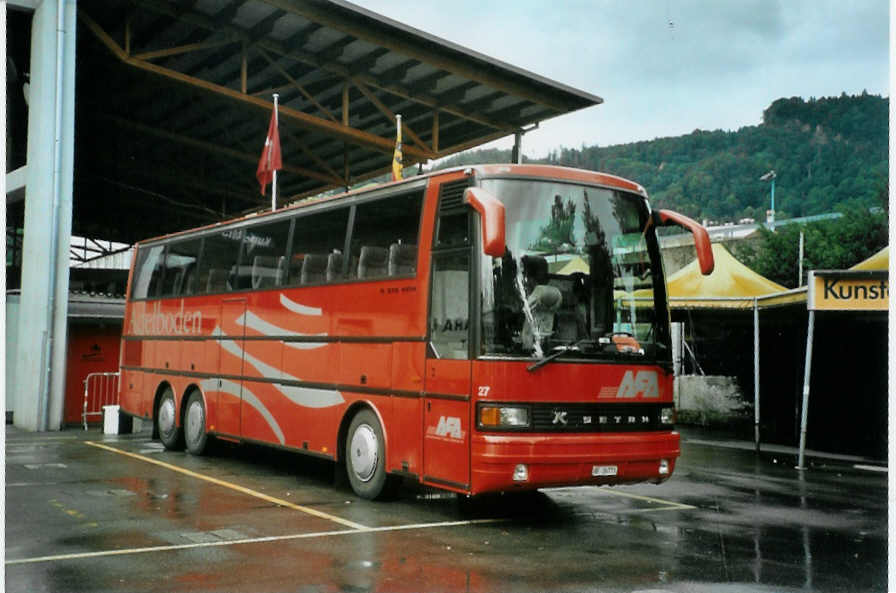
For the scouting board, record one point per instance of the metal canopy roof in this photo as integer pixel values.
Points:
(174, 100)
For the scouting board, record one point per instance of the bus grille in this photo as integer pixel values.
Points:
(578, 417)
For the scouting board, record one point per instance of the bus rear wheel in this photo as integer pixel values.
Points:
(171, 435)
(195, 433)
(365, 458)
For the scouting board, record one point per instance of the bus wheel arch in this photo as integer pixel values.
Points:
(362, 449)
(194, 420)
(165, 418)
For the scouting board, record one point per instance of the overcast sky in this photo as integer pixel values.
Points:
(667, 67)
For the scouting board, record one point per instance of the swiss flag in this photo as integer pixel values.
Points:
(270, 160)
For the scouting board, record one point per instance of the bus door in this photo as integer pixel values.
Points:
(230, 366)
(446, 415)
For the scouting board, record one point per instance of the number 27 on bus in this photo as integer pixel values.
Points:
(480, 329)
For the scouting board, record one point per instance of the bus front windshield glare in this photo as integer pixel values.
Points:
(578, 275)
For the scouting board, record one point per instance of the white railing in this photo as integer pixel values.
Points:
(100, 389)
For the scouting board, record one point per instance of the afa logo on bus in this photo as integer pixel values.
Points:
(449, 428)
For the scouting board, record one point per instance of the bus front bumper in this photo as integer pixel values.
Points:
(525, 461)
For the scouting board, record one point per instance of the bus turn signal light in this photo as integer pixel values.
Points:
(503, 417)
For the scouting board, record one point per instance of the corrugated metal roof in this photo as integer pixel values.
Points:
(174, 100)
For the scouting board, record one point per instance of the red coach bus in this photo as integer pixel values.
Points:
(473, 329)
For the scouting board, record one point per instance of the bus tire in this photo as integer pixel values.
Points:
(365, 457)
(195, 429)
(171, 435)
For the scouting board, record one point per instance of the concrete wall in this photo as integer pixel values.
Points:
(710, 400)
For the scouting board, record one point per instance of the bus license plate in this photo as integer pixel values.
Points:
(604, 470)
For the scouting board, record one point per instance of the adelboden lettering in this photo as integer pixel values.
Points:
(159, 323)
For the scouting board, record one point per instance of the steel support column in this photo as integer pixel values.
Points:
(41, 344)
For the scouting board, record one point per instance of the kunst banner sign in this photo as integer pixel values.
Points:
(848, 290)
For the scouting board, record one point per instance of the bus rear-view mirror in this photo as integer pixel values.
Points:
(701, 237)
(491, 211)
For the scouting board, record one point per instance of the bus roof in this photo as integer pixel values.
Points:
(547, 172)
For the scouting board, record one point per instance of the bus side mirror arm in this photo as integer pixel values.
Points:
(491, 211)
(701, 237)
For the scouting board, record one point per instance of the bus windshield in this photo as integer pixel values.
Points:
(578, 277)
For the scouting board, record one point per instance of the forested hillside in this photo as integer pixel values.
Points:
(828, 153)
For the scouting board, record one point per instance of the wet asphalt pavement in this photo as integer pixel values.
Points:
(81, 517)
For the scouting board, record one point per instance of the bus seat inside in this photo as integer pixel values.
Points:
(334, 267)
(217, 280)
(266, 271)
(373, 262)
(314, 268)
(402, 259)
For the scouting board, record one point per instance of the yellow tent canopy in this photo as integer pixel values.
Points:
(576, 264)
(878, 261)
(732, 285)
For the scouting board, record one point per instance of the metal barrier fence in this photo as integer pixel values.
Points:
(100, 389)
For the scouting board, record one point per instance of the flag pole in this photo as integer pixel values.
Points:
(277, 128)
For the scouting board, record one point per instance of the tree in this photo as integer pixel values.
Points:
(834, 244)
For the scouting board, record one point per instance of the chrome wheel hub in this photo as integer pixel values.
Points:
(166, 416)
(195, 424)
(364, 452)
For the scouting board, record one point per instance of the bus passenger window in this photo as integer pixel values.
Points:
(180, 268)
(219, 259)
(322, 235)
(379, 225)
(147, 272)
(266, 241)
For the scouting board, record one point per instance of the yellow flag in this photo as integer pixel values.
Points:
(396, 157)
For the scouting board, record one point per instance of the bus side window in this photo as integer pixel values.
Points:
(219, 259)
(180, 261)
(321, 236)
(379, 225)
(263, 248)
(147, 272)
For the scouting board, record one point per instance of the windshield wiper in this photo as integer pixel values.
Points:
(558, 352)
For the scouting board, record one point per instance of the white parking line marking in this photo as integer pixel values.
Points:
(232, 486)
(665, 505)
(254, 540)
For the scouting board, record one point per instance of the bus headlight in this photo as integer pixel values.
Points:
(498, 416)
(667, 416)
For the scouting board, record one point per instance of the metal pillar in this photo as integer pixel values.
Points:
(41, 340)
(807, 373)
(516, 155)
(756, 371)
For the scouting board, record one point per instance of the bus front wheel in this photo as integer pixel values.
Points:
(365, 457)
(171, 435)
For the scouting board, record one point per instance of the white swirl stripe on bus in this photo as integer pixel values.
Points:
(303, 396)
(232, 388)
(254, 322)
(300, 308)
